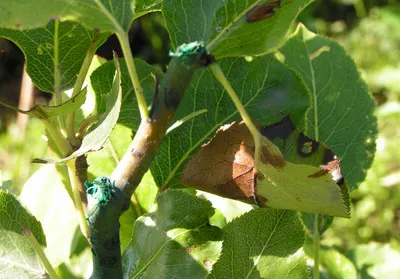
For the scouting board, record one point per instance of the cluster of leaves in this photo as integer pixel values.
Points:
(307, 77)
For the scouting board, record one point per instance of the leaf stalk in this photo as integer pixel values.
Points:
(220, 76)
(39, 251)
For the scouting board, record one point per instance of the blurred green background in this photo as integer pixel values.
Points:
(370, 32)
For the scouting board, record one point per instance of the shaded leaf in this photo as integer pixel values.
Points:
(342, 113)
(335, 264)
(267, 89)
(263, 243)
(225, 166)
(224, 26)
(101, 81)
(18, 259)
(103, 15)
(15, 218)
(53, 49)
(175, 241)
(55, 210)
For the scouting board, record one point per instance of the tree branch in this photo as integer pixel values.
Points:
(108, 198)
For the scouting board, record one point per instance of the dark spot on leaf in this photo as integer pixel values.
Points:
(18, 25)
(306, 146)
(262, 11)
(59, 66)
(196, 246)
(279, 130)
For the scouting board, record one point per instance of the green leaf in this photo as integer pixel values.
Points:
(223, 27)
(97, 135)
(342, 113)
(55, 211)
(49, 111)
(15, 218)
(54, 51)
(103, 15)
(263, 243)
(337, 265)
(18, 259)
(376, 260)
(267, 89)
(175, 241)
(101, 81)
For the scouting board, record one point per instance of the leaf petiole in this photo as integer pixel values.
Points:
(77, 198)
(39, 251)
(316, 242)
(219, 75)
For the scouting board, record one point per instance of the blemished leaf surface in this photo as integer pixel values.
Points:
(45, 196)
(174, 241)
(53, 50)
(375, 260)
(263, 243)
(103, 15)
(224, 25)
(267, 89)
(101, 81)
(14, 217)
(342, 112)
(18, 259)
(225, 166)
(335, 264)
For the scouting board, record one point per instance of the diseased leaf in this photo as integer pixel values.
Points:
(175, 241)
(263, 243)
(267, 89)
(225, 166)
(53, 50)
(342, 112)
(103, 15)
(18, 259)
(15, 218)
(231, 28)
(56, 211)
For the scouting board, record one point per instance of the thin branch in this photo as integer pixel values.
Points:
(316, 242)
